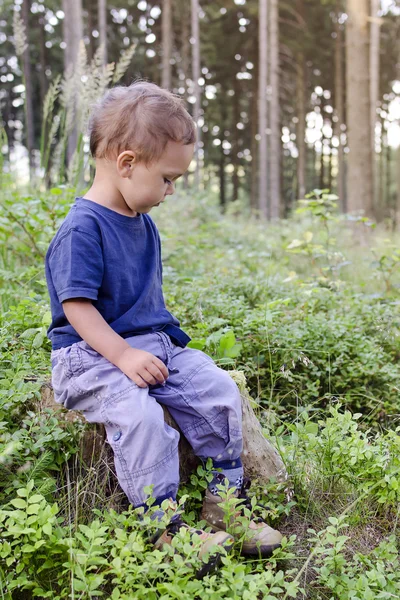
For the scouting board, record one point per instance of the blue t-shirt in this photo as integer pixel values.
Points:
(114, 261)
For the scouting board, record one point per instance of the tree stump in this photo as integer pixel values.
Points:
(260, 459)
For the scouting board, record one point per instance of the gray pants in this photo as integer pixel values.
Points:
(202, 398)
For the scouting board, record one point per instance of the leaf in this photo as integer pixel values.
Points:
(46, 320)
(311, 428)
(33, 509)
(18, 503)
(28, 333)
(47, 528)
(38, 339)
(308, 236)
(295, 244)
(234, 351)
(226, 342)
(35, 499)
(197, 344)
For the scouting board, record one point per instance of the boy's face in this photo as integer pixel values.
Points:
(143, 187)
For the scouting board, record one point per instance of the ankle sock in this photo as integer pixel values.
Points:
(232, 470)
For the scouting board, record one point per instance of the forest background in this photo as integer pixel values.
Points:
(281, 259)
(309, 90)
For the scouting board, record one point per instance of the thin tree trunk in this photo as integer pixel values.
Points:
(196, 77)
(322, 157)
(185, 46)
(166, 44)
(27, 70)
(222, 158)
(235, 139)
(185, 56)
(73, 30)
(301, 114)
(43, 58)
(102, 19)
(274, 121)
(359, 176)
(89, 7)
(381, 173)
(397, 208)
(329, 181)
(221, 169)
(389, 203)
(254, 144)
(263, 203)
(374, 85)
(301, 126)
(73, 34)
(339, 101)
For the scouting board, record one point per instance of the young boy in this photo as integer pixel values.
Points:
(118, 354)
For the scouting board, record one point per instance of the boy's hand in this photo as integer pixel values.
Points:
(142, 367)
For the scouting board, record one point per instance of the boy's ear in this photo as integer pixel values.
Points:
(125, 163)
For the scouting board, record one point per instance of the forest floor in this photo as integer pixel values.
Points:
(308, 310)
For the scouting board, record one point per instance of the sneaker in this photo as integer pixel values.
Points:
(211, 544)
(261, 539)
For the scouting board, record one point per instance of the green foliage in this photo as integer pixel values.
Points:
(365, 576)
(318, 343)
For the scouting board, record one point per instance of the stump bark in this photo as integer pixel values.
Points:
(260, 459)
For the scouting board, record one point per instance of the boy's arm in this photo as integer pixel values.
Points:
(142, 367)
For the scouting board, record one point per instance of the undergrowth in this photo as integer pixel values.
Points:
(309, 311)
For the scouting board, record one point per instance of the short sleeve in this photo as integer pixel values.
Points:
(76, 266)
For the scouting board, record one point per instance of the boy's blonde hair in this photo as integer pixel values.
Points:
(141, 117)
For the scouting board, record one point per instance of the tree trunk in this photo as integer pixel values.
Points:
(196, 77)
(235, 139)
(73, 31)
(322, 157)
(274, 120)
(339, 112)
(43, 57)
(221, 169)
(73, 34)
(381, 172)
(359, 176)
(397, 207)
(102, 19)
(301, 126)
(260, 459)
(166, 14)
(222, 159)
(89, 8)
(374, 87)
(185, 56)
(27, 71)
(389, 203)
(254, 145)
(301, 112)
(263, 204)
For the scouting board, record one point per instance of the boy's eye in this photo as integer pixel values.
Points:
(167, 181)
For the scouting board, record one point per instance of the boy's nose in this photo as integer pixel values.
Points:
(170, 190)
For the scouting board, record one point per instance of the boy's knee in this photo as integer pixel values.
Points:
(228, 391)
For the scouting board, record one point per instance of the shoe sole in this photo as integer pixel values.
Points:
(256, 551)
(260, 551)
